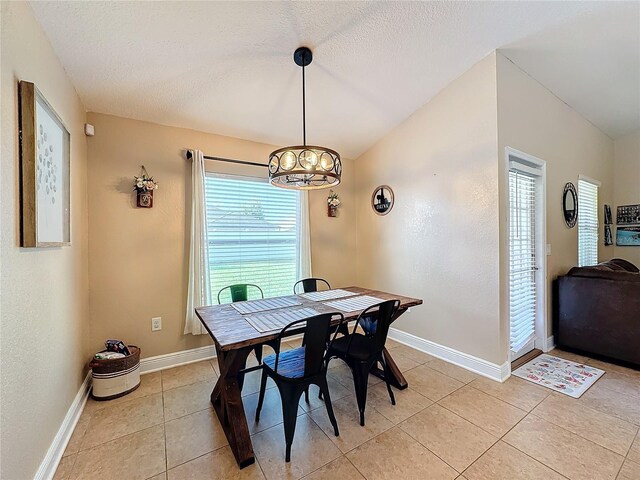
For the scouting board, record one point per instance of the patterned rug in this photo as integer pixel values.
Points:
(558, 374)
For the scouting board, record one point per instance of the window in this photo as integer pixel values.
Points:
(253, 234)
(587, 222)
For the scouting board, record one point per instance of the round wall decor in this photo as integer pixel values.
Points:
(382, 199)
(570, 205)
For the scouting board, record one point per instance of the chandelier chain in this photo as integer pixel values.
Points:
(304, 110)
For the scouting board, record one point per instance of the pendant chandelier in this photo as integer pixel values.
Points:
(304, 167)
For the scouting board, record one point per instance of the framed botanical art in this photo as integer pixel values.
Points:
(44, 172)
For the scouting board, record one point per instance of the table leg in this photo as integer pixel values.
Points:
(226, 398)
(397, 379)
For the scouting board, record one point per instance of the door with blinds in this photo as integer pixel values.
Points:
(525, 219)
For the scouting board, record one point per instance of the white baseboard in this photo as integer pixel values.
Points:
(169, 360)
(51, 460)
(184, 357)
(474, 364)
(147, 365)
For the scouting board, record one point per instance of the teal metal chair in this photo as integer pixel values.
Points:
(240, 293)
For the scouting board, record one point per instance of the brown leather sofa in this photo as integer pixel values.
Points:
(597, 310)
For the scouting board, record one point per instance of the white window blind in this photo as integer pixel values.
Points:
(522, 258)
(587, 223)
(252, 233)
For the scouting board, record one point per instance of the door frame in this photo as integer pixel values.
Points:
(541, 324)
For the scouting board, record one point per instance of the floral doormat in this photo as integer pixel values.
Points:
(558, 374)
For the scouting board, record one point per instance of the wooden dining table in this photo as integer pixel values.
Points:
(235, 337)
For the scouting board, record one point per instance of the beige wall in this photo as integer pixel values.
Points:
(532, 120)
(440, 241)
(137, 256)
(44, 316)
(627, 184)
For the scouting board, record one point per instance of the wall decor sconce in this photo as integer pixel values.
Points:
(382, 199)
(144, 185)
(333, 202)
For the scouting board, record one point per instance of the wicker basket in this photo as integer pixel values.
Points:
(113, 378)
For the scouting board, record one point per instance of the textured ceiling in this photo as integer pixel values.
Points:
(592, 63)
(226, 67)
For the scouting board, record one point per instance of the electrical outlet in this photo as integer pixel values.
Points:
(156, 324)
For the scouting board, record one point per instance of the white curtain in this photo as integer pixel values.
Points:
(304, 237)
(199, 292)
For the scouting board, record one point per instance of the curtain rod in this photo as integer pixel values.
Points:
(228, 160)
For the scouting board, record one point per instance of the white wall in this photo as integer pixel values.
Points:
(440, 241)
(627, 184)
(533, 120)
(44, 292)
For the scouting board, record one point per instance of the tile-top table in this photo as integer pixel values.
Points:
(235, 338)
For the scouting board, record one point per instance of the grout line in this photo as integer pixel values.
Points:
(352, 449)
(434, 453)
(525, 453)
(199, 456)
(386, 430)
(164, 429)
(636, 436)
(73, 465)
(480, 427)
(515, 448)
(537, 415)
(354, 466)
(550, 392)
(620, 469)
(530, 456)
(319, 428)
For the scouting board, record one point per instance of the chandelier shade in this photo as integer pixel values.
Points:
(304, 167)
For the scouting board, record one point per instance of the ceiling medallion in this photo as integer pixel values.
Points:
(304, 167)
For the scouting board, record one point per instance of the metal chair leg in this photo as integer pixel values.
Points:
(387, 374)
(324, 387)
(360, 373)
(258, 351)
(290, 395)
(263, 388)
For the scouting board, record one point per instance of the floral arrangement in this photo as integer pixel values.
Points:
(144, 183)
(333, 199)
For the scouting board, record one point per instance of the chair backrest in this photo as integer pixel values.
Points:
(310, 285)
(375, 322)
(317, 339)
(240, 292)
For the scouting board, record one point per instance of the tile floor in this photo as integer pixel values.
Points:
(449, 424)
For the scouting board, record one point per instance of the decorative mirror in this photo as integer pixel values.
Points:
(382, 200)
(570, 205)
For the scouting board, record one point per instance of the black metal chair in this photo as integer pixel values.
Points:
(362, 351)
(240, 293)
(310, 285)
(294, 370)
